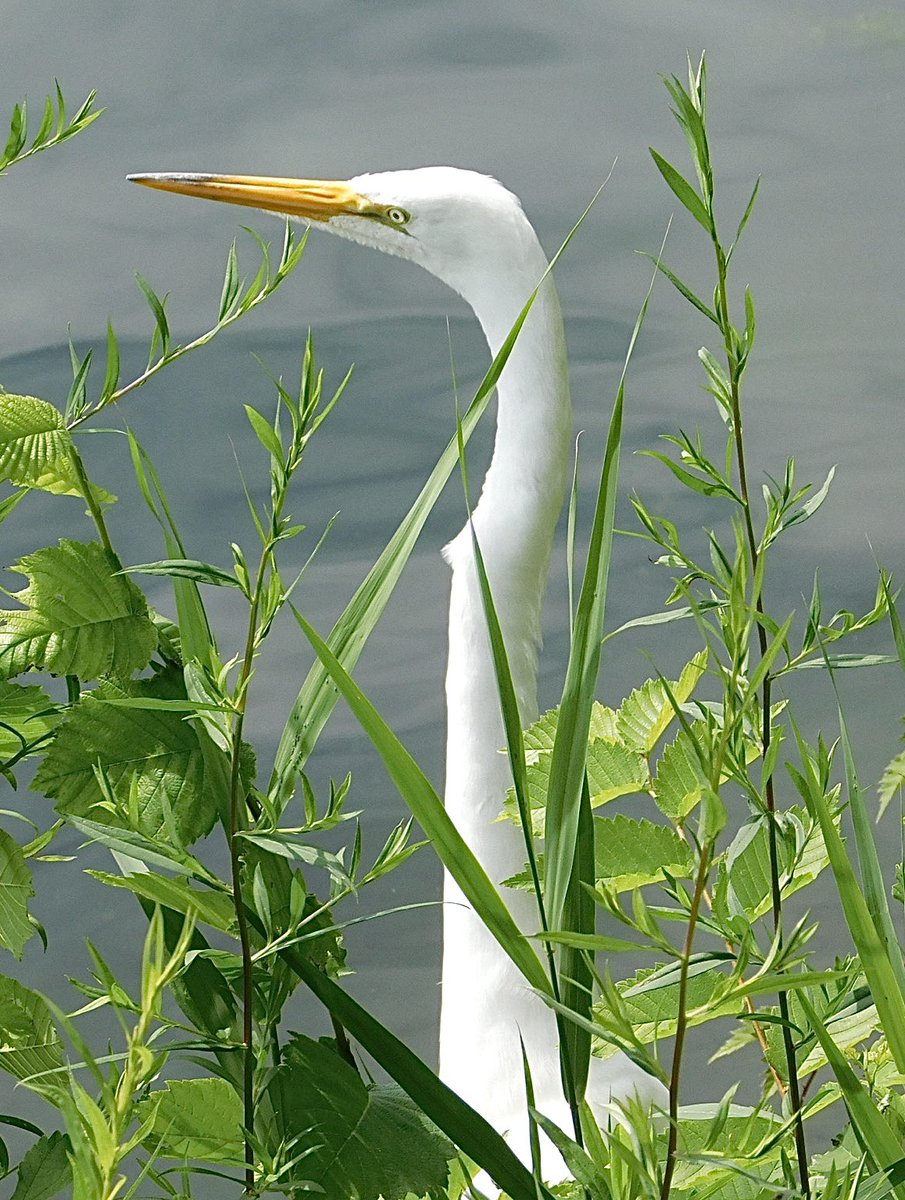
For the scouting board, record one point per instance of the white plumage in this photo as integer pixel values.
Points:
(470, 232)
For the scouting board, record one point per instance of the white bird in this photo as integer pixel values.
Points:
(471, 233)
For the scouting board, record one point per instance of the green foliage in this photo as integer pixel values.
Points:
(53, 129)
(31, 1049)
(142, 768)
(36, 448)
(695, 860)
(195, 1118)
(79, 616)
(15, 889)
(44, 1171)
(353, 1140)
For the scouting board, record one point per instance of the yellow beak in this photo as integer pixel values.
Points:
(310, 199)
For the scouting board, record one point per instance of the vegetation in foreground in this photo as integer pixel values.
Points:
(137, 738)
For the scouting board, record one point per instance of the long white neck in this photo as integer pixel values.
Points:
(485, 1003)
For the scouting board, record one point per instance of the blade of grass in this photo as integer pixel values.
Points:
(567, 767)
(427, 808)
(872, 949)
(873, 1129)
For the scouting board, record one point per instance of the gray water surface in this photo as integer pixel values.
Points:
(809, 95)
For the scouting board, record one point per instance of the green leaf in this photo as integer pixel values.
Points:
(30, 1044)
(680, 780)
(654, 1012)
(648, 712)
(45, 1170)
(683, 190)
(27, 716)
(427, 808)
(613, 770)
(467, 1128)
(875, 1132)
(15, 889)
(892, 782)
(744, 880)
(35, 447)
(870, 942)
(186, 568)
(214, 908)
(157, 752)
(568, 805)
(195, 1119)
(79, 617)
(366, 1142)
(632, 853)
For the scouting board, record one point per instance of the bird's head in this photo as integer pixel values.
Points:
(463, 227)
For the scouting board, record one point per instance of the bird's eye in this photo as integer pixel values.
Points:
(398, 216)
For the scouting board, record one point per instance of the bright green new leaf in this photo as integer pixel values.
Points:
(79, 616)
(680, 780)
(630, 853)
(174, 778)
(195, 1118)
(683, 190)
(30, 1044)
(893, 781)
(648, 712)
(366, 1142)
(35, 447)
(15, 889)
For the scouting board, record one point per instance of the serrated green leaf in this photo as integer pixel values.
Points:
(35, 447)
(79, 617)
(15, 889)
(364, 1142)
(45, 1170)
(632, 853)
(613, 770)
(195, 1119)
(159, 750)
(746, 886)
(680, 779)
(29, 1042)
(654, 1013)
(648, 712)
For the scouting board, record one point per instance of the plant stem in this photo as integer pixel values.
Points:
(681, 1020)
(90, 499)
(722, 304)
(236, 825)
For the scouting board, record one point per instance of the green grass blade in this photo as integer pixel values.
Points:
(453, 1116)
(427, 808)
(882, 978)
(873, 1128)
(567, 767)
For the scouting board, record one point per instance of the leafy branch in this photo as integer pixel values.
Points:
(54, 128)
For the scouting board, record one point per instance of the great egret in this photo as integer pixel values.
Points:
(470, 232)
